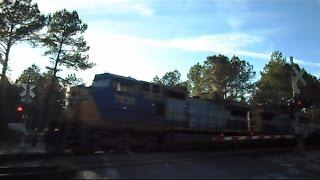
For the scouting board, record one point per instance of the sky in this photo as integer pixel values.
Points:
(145, 38)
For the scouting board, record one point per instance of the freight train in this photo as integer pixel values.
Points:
(125, 113)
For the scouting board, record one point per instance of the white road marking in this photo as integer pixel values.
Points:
(286, 164)
(242, 137)
(90, 175)
(255, 137)
(289, 136)
(266, 137)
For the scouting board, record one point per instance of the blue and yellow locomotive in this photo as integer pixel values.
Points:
(123, 112)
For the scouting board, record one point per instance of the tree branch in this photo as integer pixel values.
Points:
(68, 50)
(58, 58)
(3, 46)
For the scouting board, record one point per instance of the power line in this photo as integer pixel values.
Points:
(186, 12)
(176, 18)
(180, 8)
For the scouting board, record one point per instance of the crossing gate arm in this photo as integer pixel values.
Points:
(253, 137)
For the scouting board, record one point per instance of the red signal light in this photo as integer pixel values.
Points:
(300, 103)
(20, 108)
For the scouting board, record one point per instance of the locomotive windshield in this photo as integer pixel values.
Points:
(125, 87)
(101, 83)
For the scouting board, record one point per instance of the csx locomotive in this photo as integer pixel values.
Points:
(123, 112)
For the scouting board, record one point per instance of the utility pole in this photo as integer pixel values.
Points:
(26, 99)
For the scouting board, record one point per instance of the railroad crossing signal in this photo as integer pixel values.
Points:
(20, 108)
(295, 80)
(27, 92)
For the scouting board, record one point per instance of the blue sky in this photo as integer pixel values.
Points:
(142, 39)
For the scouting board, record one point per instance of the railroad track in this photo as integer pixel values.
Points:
(151, 161)
(35, 172)
(31, 156)
(114, 160)
(234, 150)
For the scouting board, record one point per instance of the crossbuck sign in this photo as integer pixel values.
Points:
(27, 92)
(296, 79)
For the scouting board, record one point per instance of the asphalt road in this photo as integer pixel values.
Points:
(183, 165)
(195, 165)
